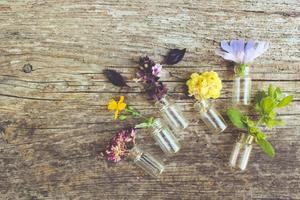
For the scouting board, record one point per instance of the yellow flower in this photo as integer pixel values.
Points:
(117, 106)
(204, 86)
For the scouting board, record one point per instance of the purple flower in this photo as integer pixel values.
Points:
(120, 144)
(149, 73)
(240, 51)
(156, 69)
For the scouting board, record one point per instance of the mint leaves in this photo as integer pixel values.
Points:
(265, 103)
(266, 147)
(235, 117)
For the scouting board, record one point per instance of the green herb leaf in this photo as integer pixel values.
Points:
(235, 117)
(259, 96)
(122, 117)
(270, 123)
(141, 125)
(266, 147)
(270, 90)
(285, 101)
(268, 104)
(277, 93)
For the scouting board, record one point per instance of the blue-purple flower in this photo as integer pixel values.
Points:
(240, 51)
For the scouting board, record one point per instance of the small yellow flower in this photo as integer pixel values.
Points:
(204, 86)
(116, 106)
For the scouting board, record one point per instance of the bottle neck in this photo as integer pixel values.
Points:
(162, 103)
(246, 139)
(241, 70)
(202, 105)
(134, 153)
(157, 124)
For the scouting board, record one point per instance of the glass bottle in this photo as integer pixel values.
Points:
(241, 151)
(241, 85)
(171, 114)
(210, 116)
(165, 137)
(146, 161)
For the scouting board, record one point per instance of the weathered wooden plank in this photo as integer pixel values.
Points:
(54, 123)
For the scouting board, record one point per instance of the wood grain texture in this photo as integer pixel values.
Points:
(54, 122)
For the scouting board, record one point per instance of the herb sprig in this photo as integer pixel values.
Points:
(265, 103)
(122, 111)
(132, 112)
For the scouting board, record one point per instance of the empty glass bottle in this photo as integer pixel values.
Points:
(241, 85)
(171, 114)
(146, 161)
(210, 116)
(165, 137)
(241, 152)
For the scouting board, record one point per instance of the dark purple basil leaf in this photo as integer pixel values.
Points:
(115, 77)
(174, 56)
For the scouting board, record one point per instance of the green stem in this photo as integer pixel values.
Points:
(259, 122)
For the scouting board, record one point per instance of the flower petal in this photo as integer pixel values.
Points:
(227, 56)
(121, 99)
(225, 46)
(121, 106)
(112, 105)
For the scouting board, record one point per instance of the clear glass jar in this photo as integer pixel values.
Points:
(241, 152)
(241, 92)
(210, 116)
(165, 137)
(146, 161)
(171, 114)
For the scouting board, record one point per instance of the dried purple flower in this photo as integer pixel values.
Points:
(120, 144)
(149, 73)
(156, 69)
(240, 51)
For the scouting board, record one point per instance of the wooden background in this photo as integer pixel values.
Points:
(54, 123)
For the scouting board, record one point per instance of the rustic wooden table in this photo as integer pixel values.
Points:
(54, 122)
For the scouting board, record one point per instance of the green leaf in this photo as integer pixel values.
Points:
(122, 117)
(266, 147)
(235, 117)
(270, 123)
(142, 125)
(268, 104)
(270, 90)
(259, 96)
(285, 101)
(150, 121)
(277, 93)
(260, 135)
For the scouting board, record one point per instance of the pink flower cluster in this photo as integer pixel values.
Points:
(120, 144)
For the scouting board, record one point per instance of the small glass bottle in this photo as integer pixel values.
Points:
(171, 114)
(210, 116)
(241, 152)
(146, 161)
(165, 137)
(241, 85)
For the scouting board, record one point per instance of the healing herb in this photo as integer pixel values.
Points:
(115, 77)
(265, 104)
(149, 73)
(174, 56)
(120, 145)
(128, 111)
